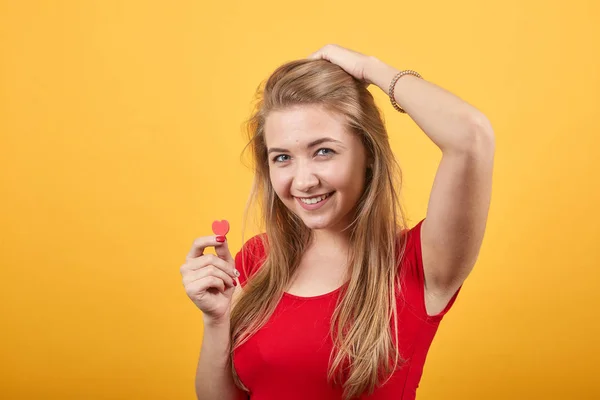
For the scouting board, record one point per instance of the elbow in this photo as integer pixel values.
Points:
(480, 134)
(481, 129)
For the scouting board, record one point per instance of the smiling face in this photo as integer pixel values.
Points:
(316, 167)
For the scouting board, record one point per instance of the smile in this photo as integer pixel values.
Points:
(314, 200)
(312, 203)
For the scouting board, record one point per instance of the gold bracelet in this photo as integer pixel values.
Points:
(393, 84)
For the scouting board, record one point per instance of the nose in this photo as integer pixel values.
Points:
(305, 179)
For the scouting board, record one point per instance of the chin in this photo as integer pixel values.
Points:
(316, 225)
(322, 222)
(314, 222)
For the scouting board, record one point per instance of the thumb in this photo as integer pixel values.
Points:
(222, 250)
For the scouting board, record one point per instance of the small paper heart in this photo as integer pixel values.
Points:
(220, 228)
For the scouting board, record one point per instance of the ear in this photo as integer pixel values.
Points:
(370, 162)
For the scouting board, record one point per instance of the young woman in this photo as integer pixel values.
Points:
(340, 300)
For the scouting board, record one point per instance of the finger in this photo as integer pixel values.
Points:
(222, 250)
(206, 260)
(199, 245)
(321, 53)
(315, 56)
(327, 52)
(210, 270)
(204, 284)
(227, 281)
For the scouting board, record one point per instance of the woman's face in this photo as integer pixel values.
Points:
(317, 168)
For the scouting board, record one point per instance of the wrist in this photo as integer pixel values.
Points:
(380, 73)
(216, 322)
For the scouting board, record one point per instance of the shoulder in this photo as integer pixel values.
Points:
(251, 256)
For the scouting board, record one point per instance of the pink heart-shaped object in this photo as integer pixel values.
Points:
(220, 227)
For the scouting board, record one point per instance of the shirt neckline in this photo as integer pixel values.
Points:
(317, 297)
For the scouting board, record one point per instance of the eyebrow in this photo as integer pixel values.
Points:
(311, 144)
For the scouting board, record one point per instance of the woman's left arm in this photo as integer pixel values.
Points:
(452, 233)
(453, 230)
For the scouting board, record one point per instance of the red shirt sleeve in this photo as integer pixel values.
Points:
(412, 276)
(250, 258)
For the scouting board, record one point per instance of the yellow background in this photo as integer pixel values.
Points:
(120, 126)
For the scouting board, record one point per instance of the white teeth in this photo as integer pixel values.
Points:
(314, 200)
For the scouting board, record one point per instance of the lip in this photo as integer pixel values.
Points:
(311, 207)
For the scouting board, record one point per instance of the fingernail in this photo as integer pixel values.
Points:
(234, 283)
(220, 238)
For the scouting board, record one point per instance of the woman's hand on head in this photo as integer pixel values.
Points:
(209, 279)
(354, 63)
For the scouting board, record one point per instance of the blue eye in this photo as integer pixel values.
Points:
(324, 152)
(278, 158)
(328, 151)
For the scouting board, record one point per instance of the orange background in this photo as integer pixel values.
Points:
(120, 143)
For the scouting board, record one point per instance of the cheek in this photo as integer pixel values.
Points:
(347, 177)
(279, 181)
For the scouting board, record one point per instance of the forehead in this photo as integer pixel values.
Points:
(303, 124)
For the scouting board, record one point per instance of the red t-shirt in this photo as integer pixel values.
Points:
(288, 357)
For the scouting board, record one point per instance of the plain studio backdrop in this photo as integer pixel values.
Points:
(120, 141)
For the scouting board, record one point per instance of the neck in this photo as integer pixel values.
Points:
(330, 248)
(330, 239)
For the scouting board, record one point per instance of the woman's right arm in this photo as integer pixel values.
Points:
(214, 380)
(210, 282)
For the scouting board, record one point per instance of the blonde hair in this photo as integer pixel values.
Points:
(360, 325)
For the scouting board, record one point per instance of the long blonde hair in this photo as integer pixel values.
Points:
(360, 325)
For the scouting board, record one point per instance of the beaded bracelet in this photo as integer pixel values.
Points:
(391, 91)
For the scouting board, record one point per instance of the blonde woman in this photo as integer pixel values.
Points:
(338, 299)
